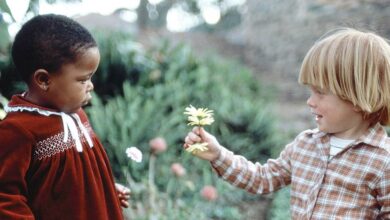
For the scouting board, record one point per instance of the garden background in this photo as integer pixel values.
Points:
(243, 64)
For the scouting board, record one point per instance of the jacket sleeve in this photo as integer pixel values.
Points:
(254, 177)
(383, 193)
(15, 157)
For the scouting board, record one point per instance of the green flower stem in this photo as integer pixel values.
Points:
(170, 186)
(151, 185)
(127, 171)
(129, 181)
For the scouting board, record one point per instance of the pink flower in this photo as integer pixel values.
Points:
(134, 154)
(209, 193)
(178, 169)
(158, 145)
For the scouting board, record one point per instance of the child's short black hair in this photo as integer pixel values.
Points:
(48, 42)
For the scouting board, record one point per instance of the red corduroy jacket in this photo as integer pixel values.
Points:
(43, 175)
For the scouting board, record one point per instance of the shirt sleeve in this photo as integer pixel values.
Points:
(383, 194)
(15, 157)
(254, 177)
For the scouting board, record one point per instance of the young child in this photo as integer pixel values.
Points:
(341, 169)
(52, 164)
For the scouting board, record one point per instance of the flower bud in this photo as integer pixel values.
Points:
(209, 193)
(158, 145)
(178, 169)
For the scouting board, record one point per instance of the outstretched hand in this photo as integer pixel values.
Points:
(199, 135)
(123, 194)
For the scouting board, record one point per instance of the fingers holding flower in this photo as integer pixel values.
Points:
(192, 138)
(208, 148)
(194, 143)
(197, 117)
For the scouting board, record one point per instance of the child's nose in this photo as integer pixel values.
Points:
(310, 101)
(90, 86)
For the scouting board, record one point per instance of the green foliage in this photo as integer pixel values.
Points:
(154, 105)
(122, 60)
(10, 82)
(4, 35)
(180, 199)
(151, 102)
(280, 205)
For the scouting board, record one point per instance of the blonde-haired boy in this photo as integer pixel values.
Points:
(341, 169)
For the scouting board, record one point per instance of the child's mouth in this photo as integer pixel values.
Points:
(317, 117)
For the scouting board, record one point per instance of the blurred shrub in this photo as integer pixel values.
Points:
(10, 82)
(122, 59)
(280, 206)
(148, 93)
(154, 106)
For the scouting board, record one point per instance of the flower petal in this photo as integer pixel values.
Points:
(198, 147)
(134, 154)
(191, 110)
(199, 117)
(206, 121)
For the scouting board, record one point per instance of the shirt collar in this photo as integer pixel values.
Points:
(70, 121)
(375, 136)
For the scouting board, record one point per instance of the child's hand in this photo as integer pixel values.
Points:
(199, 135)
(123, 194)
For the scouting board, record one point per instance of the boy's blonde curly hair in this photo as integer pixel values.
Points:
(355, 66)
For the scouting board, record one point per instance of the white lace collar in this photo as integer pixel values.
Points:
(68, 120)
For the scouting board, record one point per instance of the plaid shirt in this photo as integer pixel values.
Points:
(354, 184)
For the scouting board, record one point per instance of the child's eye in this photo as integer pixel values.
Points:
(84, 81)
(318, 91)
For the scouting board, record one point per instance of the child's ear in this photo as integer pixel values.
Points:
(357, 109)
(42, 79)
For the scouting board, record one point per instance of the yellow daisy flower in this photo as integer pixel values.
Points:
(198, 147)
(199, 117)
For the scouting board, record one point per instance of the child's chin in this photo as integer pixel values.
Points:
(323, 129)
(87, 104)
